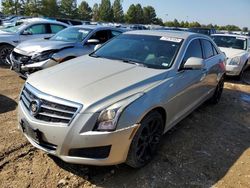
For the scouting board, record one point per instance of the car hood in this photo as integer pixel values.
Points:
(6, 24)
(95, 81)
(6, 34)
(231, 52)
(31, 47)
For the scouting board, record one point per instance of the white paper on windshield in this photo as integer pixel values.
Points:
(171, 39)
(165, 64)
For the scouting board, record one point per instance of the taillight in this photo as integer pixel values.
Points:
(222, 65)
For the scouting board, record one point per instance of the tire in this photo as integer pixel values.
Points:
(146, 140)
(218, 92)
(5, 50)
(246, 76)
(240, 76)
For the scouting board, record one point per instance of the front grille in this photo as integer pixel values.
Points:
(52, 112)
(20, 58)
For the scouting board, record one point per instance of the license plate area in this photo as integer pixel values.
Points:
(35, 134)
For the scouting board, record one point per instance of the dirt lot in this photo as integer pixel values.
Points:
(211, 147)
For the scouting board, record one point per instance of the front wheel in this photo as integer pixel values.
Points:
(218, 92)
(146, 140)
(5, 51)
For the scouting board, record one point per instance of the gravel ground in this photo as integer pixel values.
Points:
(209, 148)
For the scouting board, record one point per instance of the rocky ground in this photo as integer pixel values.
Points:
(211, 147)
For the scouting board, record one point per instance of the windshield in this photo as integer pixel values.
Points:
(72, 34)
(150, 51)
(230, 42)
(13, 29)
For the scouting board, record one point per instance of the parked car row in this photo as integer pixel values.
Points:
(103, 96)
(34, 55)
(29, 29)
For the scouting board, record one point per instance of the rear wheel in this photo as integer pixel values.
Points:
(5, 51)
(246, 76)
(146, 140)
(240, 76)
(218, 92)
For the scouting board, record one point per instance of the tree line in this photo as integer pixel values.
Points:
(187, 24)
(105, 12)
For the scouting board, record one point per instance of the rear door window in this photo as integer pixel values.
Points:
(215, 51)
(56, 28)
(37, 29)
(207, 49)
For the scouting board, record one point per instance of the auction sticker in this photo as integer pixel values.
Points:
(171, 39)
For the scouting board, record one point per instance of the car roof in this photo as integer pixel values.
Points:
(41, 20)
(167, 33)
(231, 35)
(201, 28)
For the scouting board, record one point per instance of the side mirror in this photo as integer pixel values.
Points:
(93, 41)
(194, 63)
(97, 46)
(26, 33)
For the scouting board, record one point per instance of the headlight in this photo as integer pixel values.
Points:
(235, 61)
(108, 117)
(42, 56)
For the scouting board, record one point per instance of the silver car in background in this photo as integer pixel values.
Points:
(32, 28)
(113, 105)
(34, 55)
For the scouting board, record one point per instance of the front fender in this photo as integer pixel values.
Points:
(11, 40)
(8, 43)
(137, 110)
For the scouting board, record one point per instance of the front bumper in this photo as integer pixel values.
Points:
(74, 136)
(233, 70)
(25, 69)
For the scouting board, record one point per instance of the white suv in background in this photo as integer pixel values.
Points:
(29, 29)
(237, 50)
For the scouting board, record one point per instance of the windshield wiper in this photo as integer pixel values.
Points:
(94, 55)
(131, 61)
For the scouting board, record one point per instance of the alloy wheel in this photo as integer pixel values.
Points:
(4, 54)
(149, 140)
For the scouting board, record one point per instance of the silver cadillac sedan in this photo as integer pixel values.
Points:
(114, 105)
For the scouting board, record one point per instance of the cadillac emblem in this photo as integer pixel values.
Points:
(34, 107)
